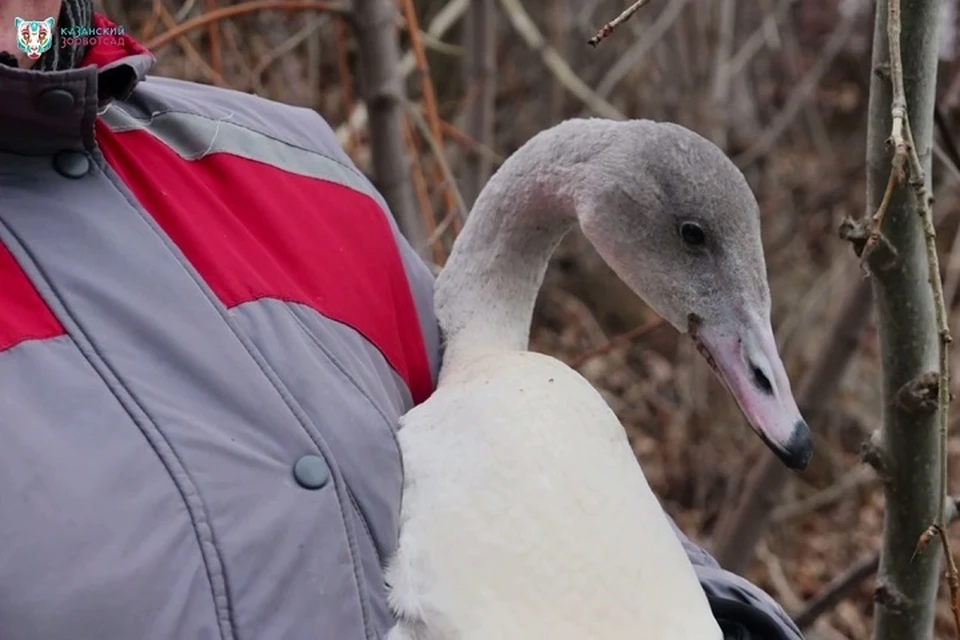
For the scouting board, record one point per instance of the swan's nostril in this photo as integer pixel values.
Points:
(761, 380)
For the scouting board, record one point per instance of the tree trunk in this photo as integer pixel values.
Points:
(382, 88)
(480, 72)
(906, 454)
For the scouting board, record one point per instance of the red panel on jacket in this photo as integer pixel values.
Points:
(254, 231)
(25, 315)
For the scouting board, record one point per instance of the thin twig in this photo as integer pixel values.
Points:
(315, 72)
(451, 182)
(528, 30)
(189, 51)
(801, 94)
(630, 60)
(213, 33)
(617, 341)
(777, 576)
(421, 191)
(438, 45)
(758, 38)
(471, 144)
(346, 81)
(230, 37)
(378, 45)
(239, 10)
(282, 51)
(852, 480)
(185, 9)
(430, 104)
(479, 68)
(721, 78)
(445, 19)
(148, 27)
(905, 154)
(608, 28)
(877, 221)
(836, 590)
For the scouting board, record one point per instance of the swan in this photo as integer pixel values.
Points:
(525, 514)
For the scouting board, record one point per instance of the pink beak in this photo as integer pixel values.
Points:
(746, 359)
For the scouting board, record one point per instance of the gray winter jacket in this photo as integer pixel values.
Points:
(209, 327)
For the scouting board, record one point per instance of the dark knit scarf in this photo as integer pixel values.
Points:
(73, 13)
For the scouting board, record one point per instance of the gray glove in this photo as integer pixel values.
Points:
(744, 610)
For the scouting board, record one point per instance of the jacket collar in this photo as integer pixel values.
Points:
(43, 112)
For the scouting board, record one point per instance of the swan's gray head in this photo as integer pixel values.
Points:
(676, 220)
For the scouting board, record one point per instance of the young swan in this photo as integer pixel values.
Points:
(525, 514)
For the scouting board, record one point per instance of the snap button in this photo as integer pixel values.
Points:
(57, 101)
(71, 164)
(311, 472)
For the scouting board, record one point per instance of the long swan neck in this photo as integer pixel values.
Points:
(486, 292)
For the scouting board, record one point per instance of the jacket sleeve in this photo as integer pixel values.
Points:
(745, 611)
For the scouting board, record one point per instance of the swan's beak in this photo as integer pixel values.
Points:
(746, 359)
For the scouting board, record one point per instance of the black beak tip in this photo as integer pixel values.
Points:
(799, 449)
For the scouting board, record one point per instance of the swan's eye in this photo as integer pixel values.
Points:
(692, 234)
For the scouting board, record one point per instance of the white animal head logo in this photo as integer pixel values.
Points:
(34, 37)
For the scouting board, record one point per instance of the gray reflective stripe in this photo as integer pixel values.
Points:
(193, 136)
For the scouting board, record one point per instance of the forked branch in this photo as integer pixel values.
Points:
(608, 28)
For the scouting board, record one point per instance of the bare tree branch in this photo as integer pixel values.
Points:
(525, 26)
(854, 479)
(632, 57)
(375, 22)
(800, 95)
(908, 292)
(608, 28)
(836, 590)
(429, 96)
(841, 586)
(459, 209)
(721, 78)
(215, 16)
(480, 72)
(441, 23)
